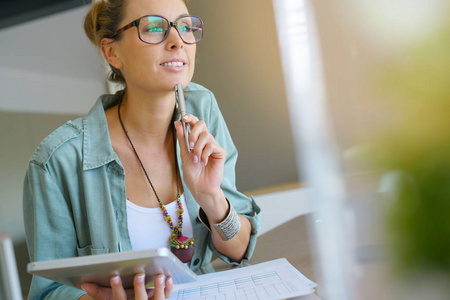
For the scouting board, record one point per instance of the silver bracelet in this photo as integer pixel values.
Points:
(228, 228)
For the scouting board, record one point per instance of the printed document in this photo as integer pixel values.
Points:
(276, 279)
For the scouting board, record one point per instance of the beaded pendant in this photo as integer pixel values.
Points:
(181, 246)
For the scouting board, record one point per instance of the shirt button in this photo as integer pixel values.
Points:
(196, 262)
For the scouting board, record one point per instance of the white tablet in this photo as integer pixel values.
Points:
(99, 268)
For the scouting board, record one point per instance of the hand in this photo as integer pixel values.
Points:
(203, 166)
(117, 292)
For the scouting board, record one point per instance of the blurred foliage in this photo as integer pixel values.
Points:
(419, 147)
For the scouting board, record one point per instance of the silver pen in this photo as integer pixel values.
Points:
(179, 95)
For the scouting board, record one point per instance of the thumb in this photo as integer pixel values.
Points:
(181, 139)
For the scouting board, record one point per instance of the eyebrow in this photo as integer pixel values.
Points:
(183, 15)
(179, 16)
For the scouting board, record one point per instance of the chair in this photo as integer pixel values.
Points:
(9, 277)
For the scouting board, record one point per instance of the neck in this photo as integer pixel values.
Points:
(148, 116)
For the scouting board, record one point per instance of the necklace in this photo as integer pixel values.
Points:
(180, 245)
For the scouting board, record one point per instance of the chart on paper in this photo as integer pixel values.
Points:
(264, 281)
(268, 285)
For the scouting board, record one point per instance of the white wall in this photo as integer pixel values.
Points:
(49, 73)
(48, 65)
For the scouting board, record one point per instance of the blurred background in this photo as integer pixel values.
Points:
(368, 82)
(367, 140)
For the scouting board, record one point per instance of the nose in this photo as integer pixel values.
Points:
(174, 40)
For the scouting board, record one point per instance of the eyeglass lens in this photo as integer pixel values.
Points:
(154, 29)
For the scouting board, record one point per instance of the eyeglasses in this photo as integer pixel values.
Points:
(155, 29)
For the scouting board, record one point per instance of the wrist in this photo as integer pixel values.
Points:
(215, 206)
(228, 228)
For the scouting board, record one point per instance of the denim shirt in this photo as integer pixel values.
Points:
(75, 200)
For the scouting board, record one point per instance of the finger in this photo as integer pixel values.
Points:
(196, 130)
(158, 293)
(189, 118)
(203, 139)
(169, 287)
(117, 289)
(207, 152)
(140, 292)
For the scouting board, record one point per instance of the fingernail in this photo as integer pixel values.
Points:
(82, 287)
(203, 164)
(195, 159)
(141, 277)
(160, 279)
(169, 279)
(185, 117)
(115, 279)
(191, 145)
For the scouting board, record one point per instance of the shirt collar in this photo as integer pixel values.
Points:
(97, 149)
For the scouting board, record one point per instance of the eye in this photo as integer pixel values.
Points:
(186, 28)
(154, 29)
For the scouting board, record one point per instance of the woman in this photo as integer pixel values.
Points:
(93, 185)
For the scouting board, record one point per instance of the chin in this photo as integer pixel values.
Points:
(184, 82)
(170, 85)
(169, 81)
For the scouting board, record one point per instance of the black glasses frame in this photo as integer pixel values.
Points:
(136, 23)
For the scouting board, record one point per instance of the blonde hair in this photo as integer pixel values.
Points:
(102, 21)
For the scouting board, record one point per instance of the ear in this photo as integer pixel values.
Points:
(109, 50)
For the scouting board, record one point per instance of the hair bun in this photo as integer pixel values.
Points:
(91, 22)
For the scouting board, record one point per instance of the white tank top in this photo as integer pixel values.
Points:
(148, 229)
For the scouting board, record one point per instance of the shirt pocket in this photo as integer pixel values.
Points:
(90, 250)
